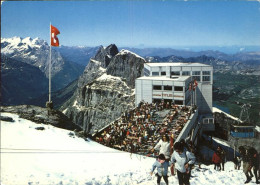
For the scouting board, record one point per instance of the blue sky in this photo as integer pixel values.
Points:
(136, 23)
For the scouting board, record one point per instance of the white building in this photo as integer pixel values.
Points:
(170, 82)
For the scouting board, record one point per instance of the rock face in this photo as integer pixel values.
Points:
(105, 90)
(42, 115)
(20, 82)
(126, 65)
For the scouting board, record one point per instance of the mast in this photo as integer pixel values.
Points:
(50, 69)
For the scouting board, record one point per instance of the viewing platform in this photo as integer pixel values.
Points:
(138, 130)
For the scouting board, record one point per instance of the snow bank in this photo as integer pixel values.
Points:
(56, 156)
(214, 109)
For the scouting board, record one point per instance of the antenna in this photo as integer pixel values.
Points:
(244, 115)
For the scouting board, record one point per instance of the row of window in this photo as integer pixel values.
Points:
(195, 75)
(167, 88)
(177, 73)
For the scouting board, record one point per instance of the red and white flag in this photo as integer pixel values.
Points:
(195, 84)
(54, 38)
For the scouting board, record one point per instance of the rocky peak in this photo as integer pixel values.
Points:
(112, 50)
(104, 55)
(127, 65)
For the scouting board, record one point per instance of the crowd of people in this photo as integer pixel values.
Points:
(138, 130)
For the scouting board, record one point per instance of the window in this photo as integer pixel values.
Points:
(178, 88)
(163, 73)
(195, 72)
(175, 73)
(206, 78)
(155, 73)
(205, 72)
(157, 87)
(178, 102)
(197, 78)
(167, 88)
(185, 73)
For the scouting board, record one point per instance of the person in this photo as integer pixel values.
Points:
(222, 156)
(162, 169)
(246, 163)
(164, 147)
(216, 159)
(254, 162)
(182, 160)
(237, 162)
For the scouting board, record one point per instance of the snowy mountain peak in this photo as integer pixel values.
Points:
(9, 45)
(126, 52)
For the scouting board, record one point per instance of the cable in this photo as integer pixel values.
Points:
(27, 150)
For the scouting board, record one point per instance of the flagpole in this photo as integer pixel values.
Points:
(50, 69)
(195, 96)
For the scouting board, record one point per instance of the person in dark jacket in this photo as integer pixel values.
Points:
(162, 166)
(222, 156)
(254, 162)
(246, 162)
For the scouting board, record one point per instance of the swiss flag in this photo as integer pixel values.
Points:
(54, 38)
(195, 84)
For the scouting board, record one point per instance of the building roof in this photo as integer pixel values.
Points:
(164, 78)
(177, 64)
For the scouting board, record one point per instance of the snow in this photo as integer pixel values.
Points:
(21, 45)
(257, 128)
(106, 77)
(228, 115)
(222, 142)
(124, 52)
(52, 156)
(75, 104)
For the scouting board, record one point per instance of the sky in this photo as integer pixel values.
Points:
(136, 23)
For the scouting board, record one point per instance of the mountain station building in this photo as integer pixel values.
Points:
(170, 82)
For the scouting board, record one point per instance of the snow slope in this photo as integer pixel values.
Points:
(55, 156)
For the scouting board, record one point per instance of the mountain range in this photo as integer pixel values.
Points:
(72, 85)
(33, 56)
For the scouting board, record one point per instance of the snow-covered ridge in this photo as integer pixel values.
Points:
(214, 109)
(10, 45)
(124, 52)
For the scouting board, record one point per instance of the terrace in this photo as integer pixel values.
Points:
(138, 130)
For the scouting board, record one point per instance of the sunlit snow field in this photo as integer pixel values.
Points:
(52, 156)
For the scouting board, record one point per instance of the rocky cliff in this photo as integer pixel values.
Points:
(105, 89)
(42, 115)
